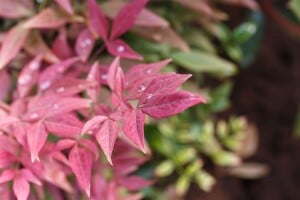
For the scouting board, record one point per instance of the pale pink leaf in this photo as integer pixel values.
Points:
(84, 44)
(5, 84)
(21, 188)
(81, 161)
(12, 44)
(48, 18)
(35, 45)
(107, 136)
(61, 128)
(140, 71)
(134, 182)
(28, 76)
(126, 17)
(134, 127)
(9, 144)
(97, 21)
(7, 175)
(93, 124)
(29, 176)
(6, 120)
(120, 48)
(15, 8)
(61, 47)
(91, 146)
(171, 104)
(66, 5)
(63, 144)
(162, 85)
(53, 72)
(36, 138)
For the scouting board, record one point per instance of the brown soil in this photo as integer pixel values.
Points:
(268, 93)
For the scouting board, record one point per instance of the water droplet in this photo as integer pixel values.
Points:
(141, 88)
(85, 43)
(90, 132)
(24, 79)
(34, 66)
(120, 49)
(149, 96)
(149, 71)
(60, 89)
(103, 76)
(34, 116)
(45, 85)
(55, 106)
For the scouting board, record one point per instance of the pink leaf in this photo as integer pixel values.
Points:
(81, 161)
(69, 86)
(47, 18)
(6, 159)
(63, 144)
(93, 124)
(35, 45)
(171, 104)
(6, 120)
(15, 8)
(97, 21)
(162, 85)
(66, 5)
(36, 138)
(28, 76)
(61, 128)
(150, 19)
(120, 48)
(5, 83)
(126, 17)
(29, 176)
(61, 47)
(115, 77)
(12, 43)
(134, 127)
(9, 144)
(134, 182)
(141, 71)
(91, 146)
(94, 75)
(53, 72)
(106, 137)
(21, 187)
(7, 175)
(84, 44)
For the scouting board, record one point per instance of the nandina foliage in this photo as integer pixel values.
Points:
(63, 113)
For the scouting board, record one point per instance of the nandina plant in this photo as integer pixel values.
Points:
(70, 126)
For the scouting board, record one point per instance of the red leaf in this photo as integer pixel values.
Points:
(12, 43)
(5, 83)
(134, 182)
(66, 5)
(171, 104)
(162, 85)
(28, 76)
(120, 48)
(21, 188)
(84, 44)
(47, 18)
(15, 8)
(141, 71)
(134, 127)
(81, 161)
(126, 17)
(36, 138)
(53, 72)
(97, 21)
(107, 136)
(60, 46)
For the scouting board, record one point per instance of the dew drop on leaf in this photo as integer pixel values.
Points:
(120, 49)
(60, 89)
(24, 79)
(141, 88)
(45, 85)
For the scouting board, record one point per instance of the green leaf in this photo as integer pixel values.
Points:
(198, 61)
(243, 32)
(295, 7)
